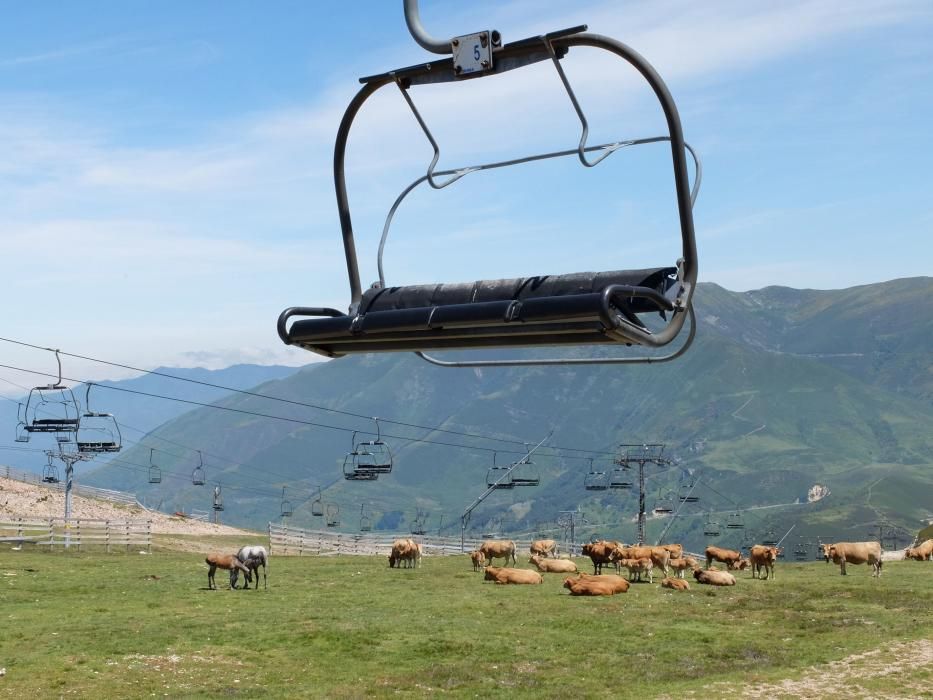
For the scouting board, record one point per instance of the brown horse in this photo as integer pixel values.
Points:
(224, 561)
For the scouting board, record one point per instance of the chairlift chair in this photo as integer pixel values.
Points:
(735, 521)
(525, 474)
(97, 432)
(21, 434)
(595, 480)
(352, 473)
(50, 473)
(286, 509)
(371, 456)
(218, 501)
(770, 539)
(155, 473)
(197, 474)
(366, 524)
(499, 477)
(333, 515)
(800, 553)
(619, 478)
(589, 308)
(51, 408)
(317, 505)
(711, 527)
(664, 505)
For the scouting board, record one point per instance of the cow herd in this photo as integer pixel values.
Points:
(640, 563)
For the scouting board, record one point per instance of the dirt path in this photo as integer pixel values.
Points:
(21, 500)
(902, 670)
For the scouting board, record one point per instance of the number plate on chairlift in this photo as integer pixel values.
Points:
(472, 53)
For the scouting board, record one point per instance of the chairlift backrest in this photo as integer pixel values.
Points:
(568, 310)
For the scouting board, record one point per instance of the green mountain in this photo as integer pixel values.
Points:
(783, 390)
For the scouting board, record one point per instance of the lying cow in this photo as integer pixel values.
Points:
(637, 568)
(681, 565)
(732, 559)
(854, 553)
(763, 557)
(502, 575)
(554, 566)
(712, 577)
(922, 552)
(479, 560)
(677, 584)
(596, 585)
(544, 548)
(498, 549)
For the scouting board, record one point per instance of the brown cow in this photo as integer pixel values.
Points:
(544, 548)
(502, 575)
(677, 584)
(763, 557)
(714, 578)
(637, 567)
(681, 565)
(923, 551)
(479, 560)
(498, 549)
(854, 553)
(596, 585)
(676, 550)
(225, 561)
(659, 556)
(732, 559)
(407, 551)
(555, 566)
(600, 553)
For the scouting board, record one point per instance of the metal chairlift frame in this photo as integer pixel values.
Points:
(594, 480)
(286, 509)
(102, 435)
(197, 474)
(155, 474)
(40, 398)
(557, 310)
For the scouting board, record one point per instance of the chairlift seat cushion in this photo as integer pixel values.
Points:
(542, 310)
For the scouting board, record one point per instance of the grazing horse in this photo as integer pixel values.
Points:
(253, 557)
(225, 561)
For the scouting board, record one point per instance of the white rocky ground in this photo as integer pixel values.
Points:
(21, 500)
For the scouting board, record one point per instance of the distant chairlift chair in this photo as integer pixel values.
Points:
(155, 473)
(595, 480)
(197, 474)
(51, 408)
(589, 308)
(97, 432)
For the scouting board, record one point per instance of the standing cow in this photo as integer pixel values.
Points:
(854, 553)
(499, 549)
(763, 557)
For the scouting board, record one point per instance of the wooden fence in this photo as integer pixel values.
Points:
(294, 541)
(78, 533)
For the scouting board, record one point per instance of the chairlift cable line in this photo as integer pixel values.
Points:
(304, 404)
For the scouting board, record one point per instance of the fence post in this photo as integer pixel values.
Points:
(149, 536)
(126, 529)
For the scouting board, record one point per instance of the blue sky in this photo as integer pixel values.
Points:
(166, 185)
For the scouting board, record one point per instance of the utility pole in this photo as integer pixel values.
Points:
(641, 455)
(69, 459)
(568, 520)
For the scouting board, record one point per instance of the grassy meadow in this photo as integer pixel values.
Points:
(78, 624)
